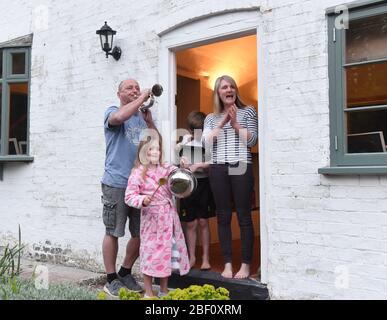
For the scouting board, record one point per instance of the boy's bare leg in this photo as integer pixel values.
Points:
(191, 241)
(205, 237)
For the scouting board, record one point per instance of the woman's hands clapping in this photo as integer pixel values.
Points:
(230, 115)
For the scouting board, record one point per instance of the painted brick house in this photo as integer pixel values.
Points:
(318, 82)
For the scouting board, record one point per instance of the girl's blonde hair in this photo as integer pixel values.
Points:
(147, 138)
(218, 104)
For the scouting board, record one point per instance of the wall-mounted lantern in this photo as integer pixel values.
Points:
(106, 35)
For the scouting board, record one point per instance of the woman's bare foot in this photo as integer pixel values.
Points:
(244, 272)
(227, 272)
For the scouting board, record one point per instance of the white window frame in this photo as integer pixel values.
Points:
(203, 30)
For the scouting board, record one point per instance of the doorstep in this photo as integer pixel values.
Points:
(240, 289)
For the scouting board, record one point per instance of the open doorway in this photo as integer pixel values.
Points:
(196, 70)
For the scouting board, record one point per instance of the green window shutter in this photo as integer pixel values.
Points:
(15, 97)
(341, 153)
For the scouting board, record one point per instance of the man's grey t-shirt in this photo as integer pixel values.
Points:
(121, 148)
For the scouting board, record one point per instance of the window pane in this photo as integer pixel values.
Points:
(18, 63)
(366, 39)
(18, 109)
(367, 85)
(367, 131)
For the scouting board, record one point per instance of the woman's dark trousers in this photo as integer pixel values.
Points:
(239, 187)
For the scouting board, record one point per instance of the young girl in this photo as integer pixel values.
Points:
(161, 235)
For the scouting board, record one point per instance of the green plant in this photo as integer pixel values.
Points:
(125, 294)
(9, 286)
(7, 261)
(193, 292)
(14, 285)
(101, 296)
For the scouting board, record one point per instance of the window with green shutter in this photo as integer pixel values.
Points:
(14, 100)
(358, 90)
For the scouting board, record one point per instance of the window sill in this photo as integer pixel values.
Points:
(16, 159)
(360, 170)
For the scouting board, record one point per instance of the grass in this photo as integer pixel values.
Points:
(25, 289)
(12, 287)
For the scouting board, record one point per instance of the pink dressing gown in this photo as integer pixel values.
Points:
(159, 221)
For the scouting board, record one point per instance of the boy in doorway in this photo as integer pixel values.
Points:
(196, 209)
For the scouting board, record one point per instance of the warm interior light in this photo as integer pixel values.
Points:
(236, 58)
(221, 72)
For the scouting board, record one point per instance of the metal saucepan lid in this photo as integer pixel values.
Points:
(182, 182)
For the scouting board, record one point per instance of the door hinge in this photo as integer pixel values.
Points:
(336, 143)
(176, 100)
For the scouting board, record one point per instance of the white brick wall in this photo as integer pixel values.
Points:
(319, 227)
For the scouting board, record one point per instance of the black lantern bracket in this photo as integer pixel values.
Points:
(106, 35)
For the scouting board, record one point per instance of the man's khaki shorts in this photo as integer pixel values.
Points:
(116, 211)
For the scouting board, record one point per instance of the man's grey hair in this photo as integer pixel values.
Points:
(120, 85)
